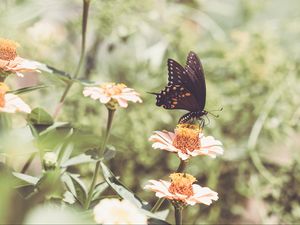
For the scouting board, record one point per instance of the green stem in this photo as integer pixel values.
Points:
(178, 215)
(100, 153)
(85, 14)
(160, 201)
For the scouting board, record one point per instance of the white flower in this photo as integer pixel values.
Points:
(113, 94)
(11, 103)
(115, 211)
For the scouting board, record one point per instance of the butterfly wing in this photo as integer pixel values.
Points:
(186, 87)
(176, 97)
(196, 83)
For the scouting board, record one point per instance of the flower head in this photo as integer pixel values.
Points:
(112, 94)
(50, 160)
(10, 62)
(11, 103)
(181, 189)
(114, 211)
(188, 140)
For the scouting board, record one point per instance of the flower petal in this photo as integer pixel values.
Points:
(14, 104)
(202, 195)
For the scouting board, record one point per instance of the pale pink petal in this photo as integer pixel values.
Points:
(123, 103)
(209, 141)
(104, 99)
(182, 155)
(93, 92)
(14, 104)
(163, 140)
(160, 187)
(202, 195)
(131, 97)
(209, 146)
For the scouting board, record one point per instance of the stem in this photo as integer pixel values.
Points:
(178, 215)
(28, 163)
(160, 201)
(181, 166)
(100, 153)
(85, 14)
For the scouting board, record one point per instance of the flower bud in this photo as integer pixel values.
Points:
(50, 160)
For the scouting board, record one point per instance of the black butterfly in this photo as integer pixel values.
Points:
(186, 89)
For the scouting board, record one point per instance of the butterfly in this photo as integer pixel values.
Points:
(186, 89)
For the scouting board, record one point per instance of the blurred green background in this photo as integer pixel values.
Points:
(250, 52)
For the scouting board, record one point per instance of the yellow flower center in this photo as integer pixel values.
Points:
(8, 49)
(182, 184)
(3, 89)
(187, 137)
(111, 89)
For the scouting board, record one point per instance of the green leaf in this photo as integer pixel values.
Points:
(99, 189)
(26, 179)
(81, 192)
(64, 152)
(109, 153)
(124, 192)
(93, 152)
(69, 184)
(61, 73)
(57, 125)
(79, 159)
(27, 89)
(39, 116)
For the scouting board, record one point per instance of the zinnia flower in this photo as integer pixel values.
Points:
(181, 189)
(112, 94)
(11, 103)
(114, 211)
(10, 62)
(188, 140)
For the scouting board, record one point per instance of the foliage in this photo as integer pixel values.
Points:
(250, 54)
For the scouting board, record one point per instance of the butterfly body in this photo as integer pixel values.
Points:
(186, 89)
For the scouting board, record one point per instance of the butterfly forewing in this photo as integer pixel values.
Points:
(176, 97)
(197, 80)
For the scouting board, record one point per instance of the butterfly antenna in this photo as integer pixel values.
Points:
(215, 115)
(152, 93)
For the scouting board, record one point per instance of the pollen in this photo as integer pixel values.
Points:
(8, 49)
(3, 89)
(111, 89)
(187, 137)
(182, 184)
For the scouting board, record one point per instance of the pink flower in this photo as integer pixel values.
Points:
(12, 63)
(182, 189)
(188, 140)
(11, 103)
(112, 94)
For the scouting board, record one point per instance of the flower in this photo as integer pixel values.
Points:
(115, 211)
(181, 189)
(112, 94)
(10, 62)
(11, 103)
(50, 160)
(188, 140)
